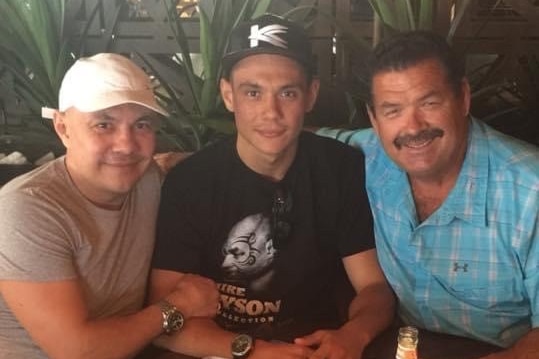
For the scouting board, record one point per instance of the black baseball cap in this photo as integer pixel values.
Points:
(268, 34)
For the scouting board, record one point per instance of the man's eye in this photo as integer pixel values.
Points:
(430, 103)
(252, 93)
(144, 125)
(391, 112)
(289, 94)
(103, 125)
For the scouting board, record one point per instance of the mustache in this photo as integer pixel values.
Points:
(424, 135)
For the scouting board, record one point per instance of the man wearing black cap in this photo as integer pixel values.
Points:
(272, 216)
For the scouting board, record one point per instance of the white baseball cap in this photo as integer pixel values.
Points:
(102, 81)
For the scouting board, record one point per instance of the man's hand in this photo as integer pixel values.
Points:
(328, 344)
(195, 296)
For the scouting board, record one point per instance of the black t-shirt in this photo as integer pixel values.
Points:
(217, 218)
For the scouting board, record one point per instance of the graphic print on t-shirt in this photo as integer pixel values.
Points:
(247, 267)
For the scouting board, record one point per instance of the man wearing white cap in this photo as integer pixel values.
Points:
(76, 235)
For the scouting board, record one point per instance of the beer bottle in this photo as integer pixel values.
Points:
(407, 343)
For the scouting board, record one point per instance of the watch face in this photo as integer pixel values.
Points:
(175, 321)
(241, 345)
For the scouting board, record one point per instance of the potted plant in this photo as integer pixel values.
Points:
(36, 49)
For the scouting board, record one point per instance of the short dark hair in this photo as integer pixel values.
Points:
(410, 48)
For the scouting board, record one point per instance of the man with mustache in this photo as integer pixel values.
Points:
(77, 234)
(455, 203)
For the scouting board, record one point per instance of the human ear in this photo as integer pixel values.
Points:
(312, 94)
(372, 118)
(60, 127)
(227, 94)
(466, 96)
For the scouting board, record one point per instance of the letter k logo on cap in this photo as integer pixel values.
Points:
(268, 34)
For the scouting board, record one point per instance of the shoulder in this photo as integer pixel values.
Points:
(509, 158)
(330, 161)
(39, 178)
(324, 147)
(201, 167)
(152, 178)
(44, 187)
(363, 139)
(33, 208)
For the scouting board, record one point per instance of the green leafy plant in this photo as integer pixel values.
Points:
(33, 50)
(38, 43)
(34, 55)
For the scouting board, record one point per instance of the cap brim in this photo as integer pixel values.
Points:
(231, 59)
(48, 113)
(108, 100)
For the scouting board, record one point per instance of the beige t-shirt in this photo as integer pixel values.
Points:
(50, 232)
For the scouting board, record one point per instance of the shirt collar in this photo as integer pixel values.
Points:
(467, 200)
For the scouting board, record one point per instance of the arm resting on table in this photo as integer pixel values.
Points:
(56, 317)
(202, 337)
(370, 312)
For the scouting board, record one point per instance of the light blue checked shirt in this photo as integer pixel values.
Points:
(472, 267)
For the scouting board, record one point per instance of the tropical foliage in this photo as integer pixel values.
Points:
(510, 92)
(34, 52)
(198, 114)
(37, 46)
(198, 117)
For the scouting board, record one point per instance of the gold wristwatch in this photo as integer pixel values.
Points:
(172, 318)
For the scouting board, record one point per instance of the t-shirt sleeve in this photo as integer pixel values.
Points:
(355, 218)
(178, 239)
(34, 244)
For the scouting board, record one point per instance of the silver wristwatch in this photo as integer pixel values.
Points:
(172, 318)
(242, 346)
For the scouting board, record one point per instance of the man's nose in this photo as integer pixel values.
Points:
(415, 120)
(272, 107)
(125, 140)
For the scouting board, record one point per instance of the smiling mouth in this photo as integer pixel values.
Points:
(420, 140)
(117, 161)
(271, 133)
(418, 144)
(122, 164)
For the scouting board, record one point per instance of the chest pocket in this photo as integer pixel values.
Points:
(482, 282)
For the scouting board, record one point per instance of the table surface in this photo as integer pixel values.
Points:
(431, 346)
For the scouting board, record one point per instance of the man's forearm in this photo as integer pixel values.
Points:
(114, 337)
(199, 337)
(203, 337)
(370, 312)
